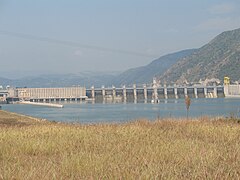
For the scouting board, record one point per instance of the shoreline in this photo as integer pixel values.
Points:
(169, 119)
(162, 149)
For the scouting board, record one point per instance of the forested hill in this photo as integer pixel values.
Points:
(146, 73)
(219, 58)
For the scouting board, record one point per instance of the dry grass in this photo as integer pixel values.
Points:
(166, 149)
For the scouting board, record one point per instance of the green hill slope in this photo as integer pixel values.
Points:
(146, 73)
(218, 58)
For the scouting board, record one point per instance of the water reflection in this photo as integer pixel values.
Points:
(122, 112)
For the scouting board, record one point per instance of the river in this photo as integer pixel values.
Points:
(120, 112)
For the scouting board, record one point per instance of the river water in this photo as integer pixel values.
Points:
(120, 112)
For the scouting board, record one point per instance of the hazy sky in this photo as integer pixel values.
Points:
(106, 35)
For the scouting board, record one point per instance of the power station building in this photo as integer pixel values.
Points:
(51, 94)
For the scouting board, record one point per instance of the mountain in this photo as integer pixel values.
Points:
(141, 75)
(86, 79)
(4, 81)
(219, 58)
(146, 73)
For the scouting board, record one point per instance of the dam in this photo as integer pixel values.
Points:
(153, 93)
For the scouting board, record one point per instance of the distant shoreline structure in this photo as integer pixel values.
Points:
(41, 104)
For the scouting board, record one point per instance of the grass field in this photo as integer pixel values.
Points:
(164, 149)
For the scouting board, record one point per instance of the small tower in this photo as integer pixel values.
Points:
(155, 93)
(154, 81)
(226, 80)
(226, 85)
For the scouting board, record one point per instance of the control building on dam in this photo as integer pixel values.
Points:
(51, 94)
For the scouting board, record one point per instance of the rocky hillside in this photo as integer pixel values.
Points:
(146, 73)
(218, 58)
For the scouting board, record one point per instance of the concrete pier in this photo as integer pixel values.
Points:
(185, 92)
(41, 104)
(205, 92)
(135, 92)
(103, 93)
(175, 92)
(165, 91)
(155, 94)
(114, 93)
(195, 92)
(155, 91)
(93, 93)
(124, 93)
(226, 90)
(145, 92)
(215, 91)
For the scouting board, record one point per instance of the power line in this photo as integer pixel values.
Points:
(72, 44)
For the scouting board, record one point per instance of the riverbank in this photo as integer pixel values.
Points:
(188, 149)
